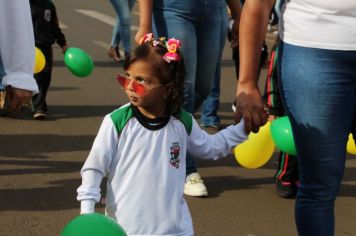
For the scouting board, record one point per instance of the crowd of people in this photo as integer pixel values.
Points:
(174, 71)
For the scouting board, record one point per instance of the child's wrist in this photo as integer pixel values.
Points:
(87, 206)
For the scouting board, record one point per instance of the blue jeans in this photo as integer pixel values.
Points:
(318, 87)
(210, 106)
(196, 24)
(121, 29)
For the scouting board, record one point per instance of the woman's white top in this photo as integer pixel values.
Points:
(325, 24)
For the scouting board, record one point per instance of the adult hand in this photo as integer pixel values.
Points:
(15, 99)
(140, 33)
(249, 106)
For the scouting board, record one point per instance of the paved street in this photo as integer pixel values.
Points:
(40, 160)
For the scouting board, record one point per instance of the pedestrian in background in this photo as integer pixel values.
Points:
(47, 32)
(121, 30)
(210, 106)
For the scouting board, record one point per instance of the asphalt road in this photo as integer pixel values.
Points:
(40, 160)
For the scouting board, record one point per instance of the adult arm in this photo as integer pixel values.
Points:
(253, 27)
(145, 8)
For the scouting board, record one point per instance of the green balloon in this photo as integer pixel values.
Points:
(93, 224)
(282, 135)
(78, 62)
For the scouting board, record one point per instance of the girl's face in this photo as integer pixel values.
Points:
(144, 89)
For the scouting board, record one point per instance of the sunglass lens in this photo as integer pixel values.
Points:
(122, 80)
(138, 88)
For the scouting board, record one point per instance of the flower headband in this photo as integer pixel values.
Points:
(171, 44)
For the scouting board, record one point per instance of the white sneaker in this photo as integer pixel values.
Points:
(194, 186)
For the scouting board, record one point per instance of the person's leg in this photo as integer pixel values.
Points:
(208, 28)
(43, 80)
(123, 11)
(114, 51)
(318, 88)
(170, 23)
(210, 106)
(115, 38)
(287, 175)
(176, 19)
(121, 30)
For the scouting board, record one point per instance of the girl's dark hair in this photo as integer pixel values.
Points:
(169, 74)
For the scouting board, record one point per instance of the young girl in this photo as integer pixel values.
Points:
(141, 146)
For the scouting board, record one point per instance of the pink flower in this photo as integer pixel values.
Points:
(146, 38)
(172, 45)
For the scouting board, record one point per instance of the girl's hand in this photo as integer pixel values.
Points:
(271, 118)
(64, 49)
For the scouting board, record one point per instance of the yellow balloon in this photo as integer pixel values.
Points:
(257, 150)
(351, 147)
(40, 61)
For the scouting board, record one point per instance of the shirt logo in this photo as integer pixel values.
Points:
(175, 150)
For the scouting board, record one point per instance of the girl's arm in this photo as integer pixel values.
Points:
(206, 146)
(253, 27)
(97, 165)
(89, 191)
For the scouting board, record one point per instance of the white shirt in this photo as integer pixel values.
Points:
(146, 171)
(17, 45)
(325, 24)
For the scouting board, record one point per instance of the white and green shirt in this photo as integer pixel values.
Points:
(144, 161)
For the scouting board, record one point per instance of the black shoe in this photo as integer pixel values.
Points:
(286, 189)
(39, 115)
